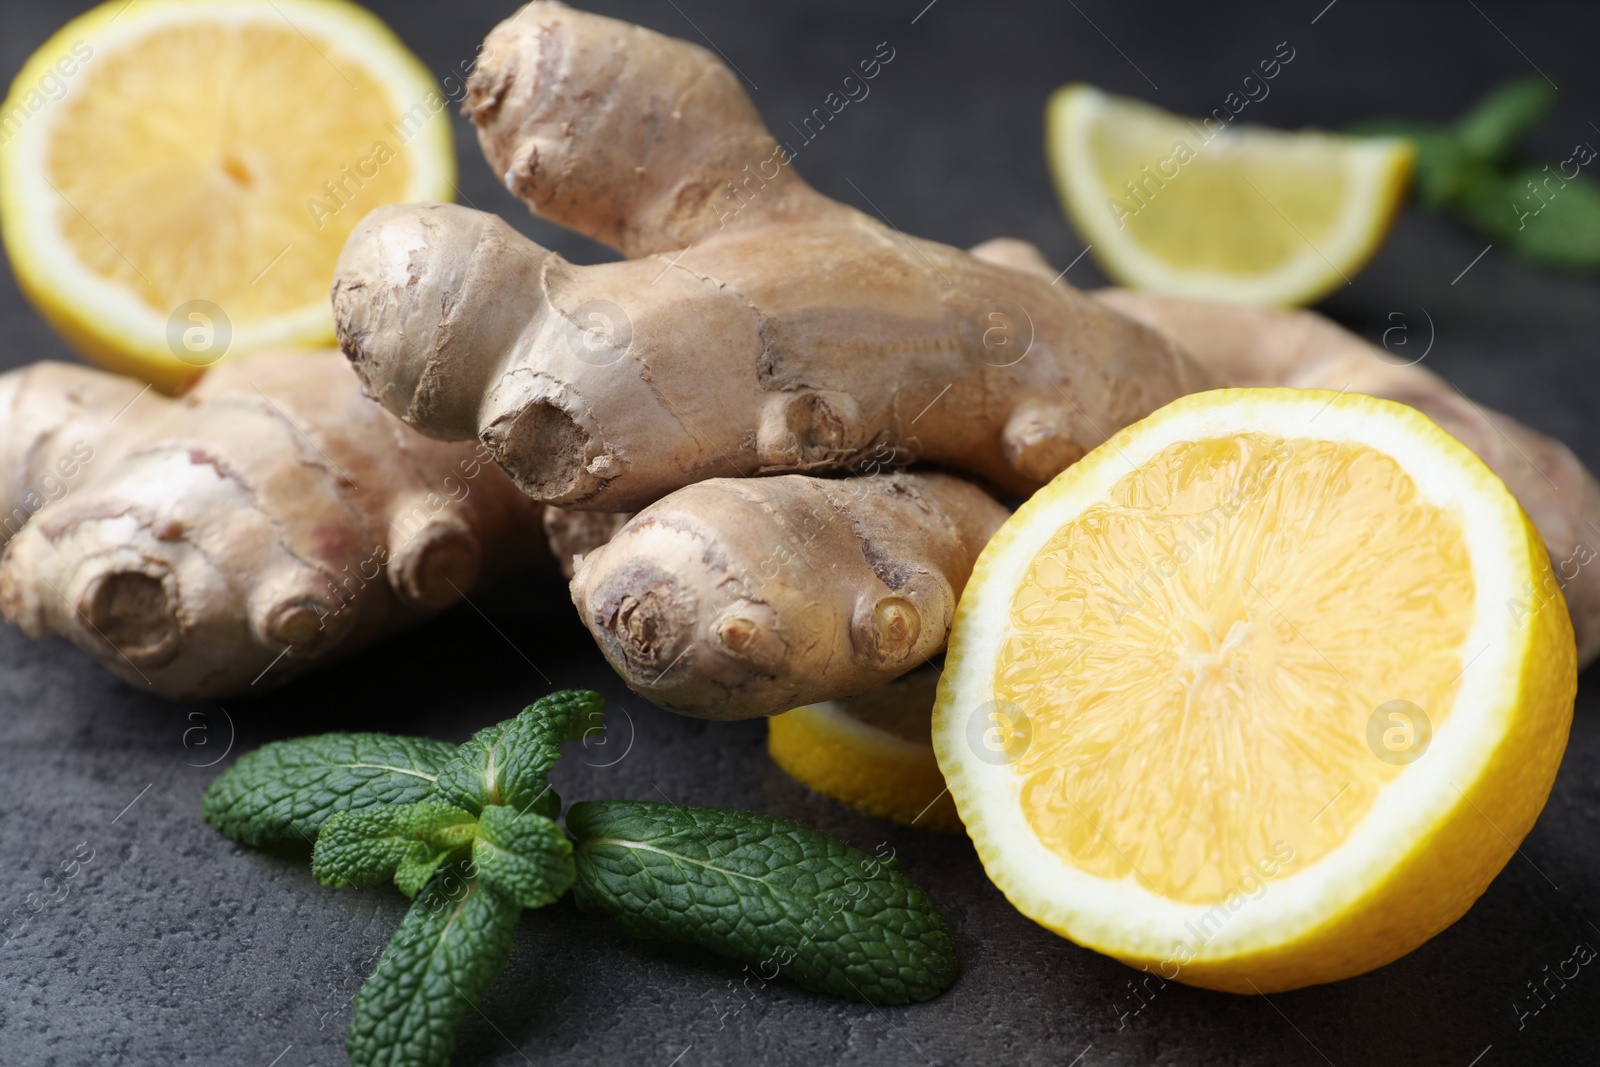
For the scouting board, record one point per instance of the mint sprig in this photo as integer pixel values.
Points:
(469, 832)
(1547, 213)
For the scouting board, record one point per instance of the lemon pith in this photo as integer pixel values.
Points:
(1204, 791)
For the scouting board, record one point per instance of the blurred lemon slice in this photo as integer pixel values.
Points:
(177, 178)
(871, 752)
(1284, 677)
(1244, 213)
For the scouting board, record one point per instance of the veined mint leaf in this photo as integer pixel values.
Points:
(406, 842)
(285, 791)
(509, 763)
(525, 856)
(454, 940)
(1503, 119)
(775, 894)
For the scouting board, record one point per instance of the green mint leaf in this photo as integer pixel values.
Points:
(1503, 119)
(526, 857)
(509, 763)
(775, 894)
(453, 941)
(285, 791)
(1554, 223)
(406, 842)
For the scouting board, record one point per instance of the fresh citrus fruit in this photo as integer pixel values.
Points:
(1196, 208)
(871, 752)
(1262, 692)
(178, 177)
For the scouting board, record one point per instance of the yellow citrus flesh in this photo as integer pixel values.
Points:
(870, 752)
(208, 159)
(1201, 209)
(1259, 664)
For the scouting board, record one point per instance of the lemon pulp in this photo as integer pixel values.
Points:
(1226, 175)
(1197, 656)
(196, 156)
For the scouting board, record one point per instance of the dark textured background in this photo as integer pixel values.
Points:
(176, 947)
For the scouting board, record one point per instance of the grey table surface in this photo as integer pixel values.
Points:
(176, 947)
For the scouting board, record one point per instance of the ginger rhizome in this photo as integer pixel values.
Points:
(225, 542)
(794, 335)
(740, 597)
(760, 328)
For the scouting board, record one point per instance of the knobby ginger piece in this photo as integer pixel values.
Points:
(760, 329)
(230, 540)
(735, 598)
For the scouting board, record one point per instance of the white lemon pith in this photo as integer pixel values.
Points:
(211, 156)
(1288, 676)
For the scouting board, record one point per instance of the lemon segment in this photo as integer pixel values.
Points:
(870, 752)
(1195, 208)
(1290, 676)
(187, 193)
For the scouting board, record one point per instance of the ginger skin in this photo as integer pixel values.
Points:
(272, 512)
(769, 329)
(735, 598)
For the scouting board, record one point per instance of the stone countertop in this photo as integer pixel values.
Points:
(177, 947)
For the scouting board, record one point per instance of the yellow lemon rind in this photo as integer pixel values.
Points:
(863, 768)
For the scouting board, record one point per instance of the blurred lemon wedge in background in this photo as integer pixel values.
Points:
(177, 178)
(871, 752)
(1195, 208)
(1261, 693)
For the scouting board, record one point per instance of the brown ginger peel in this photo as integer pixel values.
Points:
(736, 598)
(227, 541)
(793, 334)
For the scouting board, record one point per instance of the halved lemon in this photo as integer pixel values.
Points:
(871, 752)
(1261, 693)
(1208, 208)
(178, 177)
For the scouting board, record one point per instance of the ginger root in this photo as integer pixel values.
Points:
(735, 598)
(768, 330)
(226, 542)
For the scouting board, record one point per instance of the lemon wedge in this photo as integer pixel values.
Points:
(1261, 693)
(177, 178)
(871, 752)
(1199, 208)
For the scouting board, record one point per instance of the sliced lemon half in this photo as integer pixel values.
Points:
(1194, 207)
(871, 752)
(1261, 693)
(177, 178)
